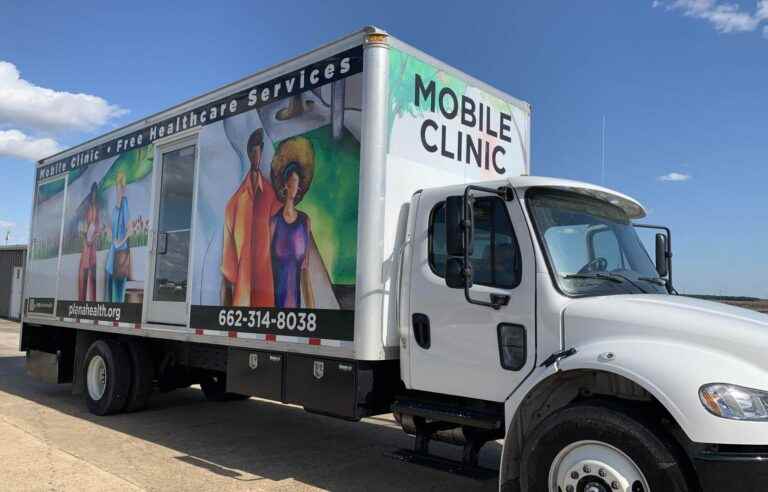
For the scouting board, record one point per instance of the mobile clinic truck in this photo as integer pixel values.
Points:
(355, 231)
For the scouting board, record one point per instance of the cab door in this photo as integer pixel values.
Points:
(464, 349)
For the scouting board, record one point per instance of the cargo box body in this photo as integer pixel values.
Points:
(266, 214)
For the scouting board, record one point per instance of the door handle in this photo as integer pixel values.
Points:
(421, 333)
(162, 243)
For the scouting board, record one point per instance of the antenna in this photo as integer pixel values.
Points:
(602, 155)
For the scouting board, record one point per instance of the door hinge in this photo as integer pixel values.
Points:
(557, 357)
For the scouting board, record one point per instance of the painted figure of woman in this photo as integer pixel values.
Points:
(290, 229)
(118, 265)
(87, 270)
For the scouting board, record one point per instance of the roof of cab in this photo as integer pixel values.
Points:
(632, 207)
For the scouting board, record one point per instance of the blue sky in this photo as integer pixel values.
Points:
(682, 84)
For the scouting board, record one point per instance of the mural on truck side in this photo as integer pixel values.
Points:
(274, 227)
(277, 218)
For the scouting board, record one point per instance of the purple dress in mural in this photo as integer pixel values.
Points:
(289, 254)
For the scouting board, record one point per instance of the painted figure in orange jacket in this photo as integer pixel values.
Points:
(246, 263)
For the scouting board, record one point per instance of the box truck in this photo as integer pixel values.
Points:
(355, 231)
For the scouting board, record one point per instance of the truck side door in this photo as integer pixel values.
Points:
(456, 347)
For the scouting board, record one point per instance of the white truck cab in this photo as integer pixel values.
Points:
(541, 296)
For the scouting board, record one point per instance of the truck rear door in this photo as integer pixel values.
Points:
(456, 347)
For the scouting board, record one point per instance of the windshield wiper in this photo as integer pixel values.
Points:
(613, 277)
(654, 280)
(630, 281)
(601, 276)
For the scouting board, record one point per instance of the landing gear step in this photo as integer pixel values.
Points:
(443, 464)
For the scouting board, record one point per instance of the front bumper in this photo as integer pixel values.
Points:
(742, 468)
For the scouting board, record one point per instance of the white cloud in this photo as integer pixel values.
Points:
(725, 17)
(762, 9)
(14, 143)
(25, 105)
(6, 224)
(674, 176)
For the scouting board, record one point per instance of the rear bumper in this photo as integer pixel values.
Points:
(742, 468)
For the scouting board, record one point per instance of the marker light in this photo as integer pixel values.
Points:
(376, 38)
(734, 402)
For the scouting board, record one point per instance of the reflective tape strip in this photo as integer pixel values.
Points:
(251, 336)
(217, 333)
(289, 339)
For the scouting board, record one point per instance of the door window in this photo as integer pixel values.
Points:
(174, 225)
(495, 257)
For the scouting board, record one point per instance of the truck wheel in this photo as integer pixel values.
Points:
(214, 387)
(143, 375)
(598, 449)
(107, 376)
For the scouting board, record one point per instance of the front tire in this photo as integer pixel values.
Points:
(107, 377)
(600, 449)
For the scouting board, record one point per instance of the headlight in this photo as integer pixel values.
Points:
(734, 402)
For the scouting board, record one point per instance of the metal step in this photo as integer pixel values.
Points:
(444, 464)
(452, 414)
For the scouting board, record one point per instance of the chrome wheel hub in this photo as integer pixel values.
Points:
(96, 378)
(595, 466)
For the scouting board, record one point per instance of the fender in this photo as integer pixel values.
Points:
(673, 372)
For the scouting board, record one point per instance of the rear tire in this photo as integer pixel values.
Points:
(214, 387)
(143, 375)
(107, 376)
(592, 445)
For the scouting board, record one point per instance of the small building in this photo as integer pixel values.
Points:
(12, 259)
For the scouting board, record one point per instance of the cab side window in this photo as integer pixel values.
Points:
(495, 258)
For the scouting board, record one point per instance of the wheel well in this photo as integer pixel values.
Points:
(570, 387)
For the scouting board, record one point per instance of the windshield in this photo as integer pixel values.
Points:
(591, 244)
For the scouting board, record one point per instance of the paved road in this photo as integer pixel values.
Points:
(48, 441)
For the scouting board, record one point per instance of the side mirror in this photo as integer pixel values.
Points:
(661, 255)
(454, 226)
(456, 276)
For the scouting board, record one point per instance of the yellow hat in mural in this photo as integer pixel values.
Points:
(294, 154)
